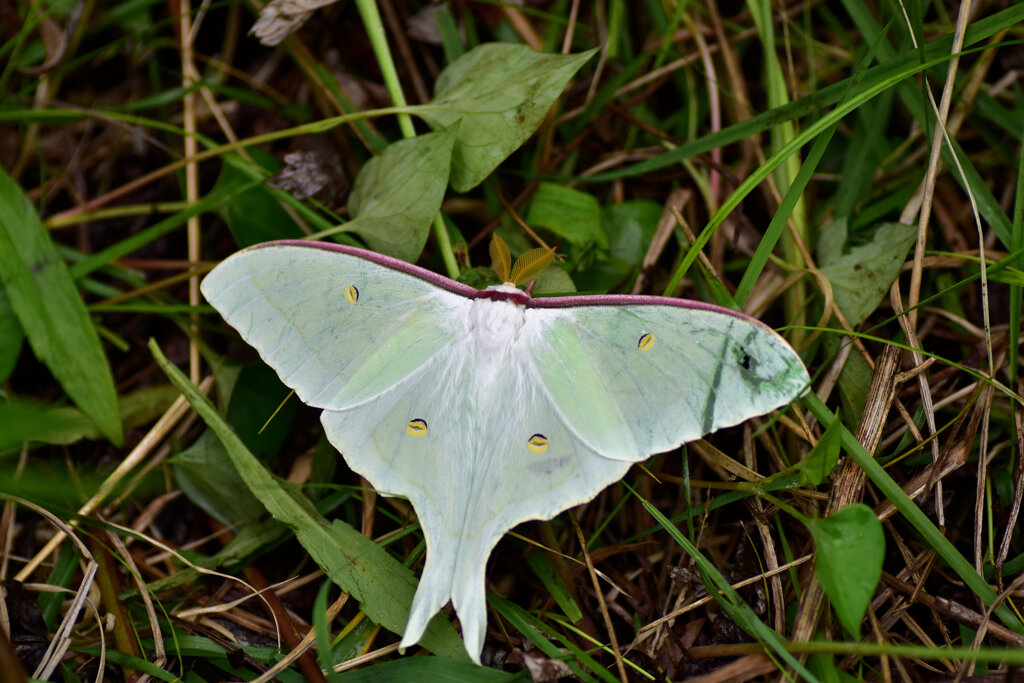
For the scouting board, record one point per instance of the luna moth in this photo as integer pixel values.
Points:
(488, 408)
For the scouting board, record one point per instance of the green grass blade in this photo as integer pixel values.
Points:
(894, 69)
(531, 628)
(778, 222)
(1016, 245)
(859, 97)
(725, 595)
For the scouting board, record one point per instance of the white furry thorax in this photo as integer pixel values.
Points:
(494, 328)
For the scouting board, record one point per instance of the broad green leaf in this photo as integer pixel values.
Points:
(52, 314)
(25, 421)
(204, 470)
(22, 422)
(501, 92)
(553, 280)
(861, 274)
(397, 194)
(359, 566)
(261, 410)
(630, 225)
(849, 549)
(569, 213)
(205, 474)
(11, 337)
(854, 382)
(822, 458)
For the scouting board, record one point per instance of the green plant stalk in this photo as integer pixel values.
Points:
(1016, 292)
(913, 514)
(990, 551)
(777, 226)
(668, 35)
(117, 212)
(785, 507)
(615, 31)
(781, 134)
(378, 40)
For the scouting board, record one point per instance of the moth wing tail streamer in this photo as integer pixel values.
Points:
(644, 376)
(528, 466)
(338, 327)
(469, 482)
(410, 441)
(454, 570)
(431, 464)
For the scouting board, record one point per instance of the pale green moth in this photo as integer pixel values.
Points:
(488, 408)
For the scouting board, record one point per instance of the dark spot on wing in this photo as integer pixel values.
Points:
(744, 359)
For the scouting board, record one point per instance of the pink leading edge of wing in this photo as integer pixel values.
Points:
(530, 302)
(386, 261)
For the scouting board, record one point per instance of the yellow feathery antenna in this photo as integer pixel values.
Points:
(501, 258)
(530, 264)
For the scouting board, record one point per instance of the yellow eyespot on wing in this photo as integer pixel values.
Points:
(416, 428)
(538, 443)
(351, 294)
(646, 341)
